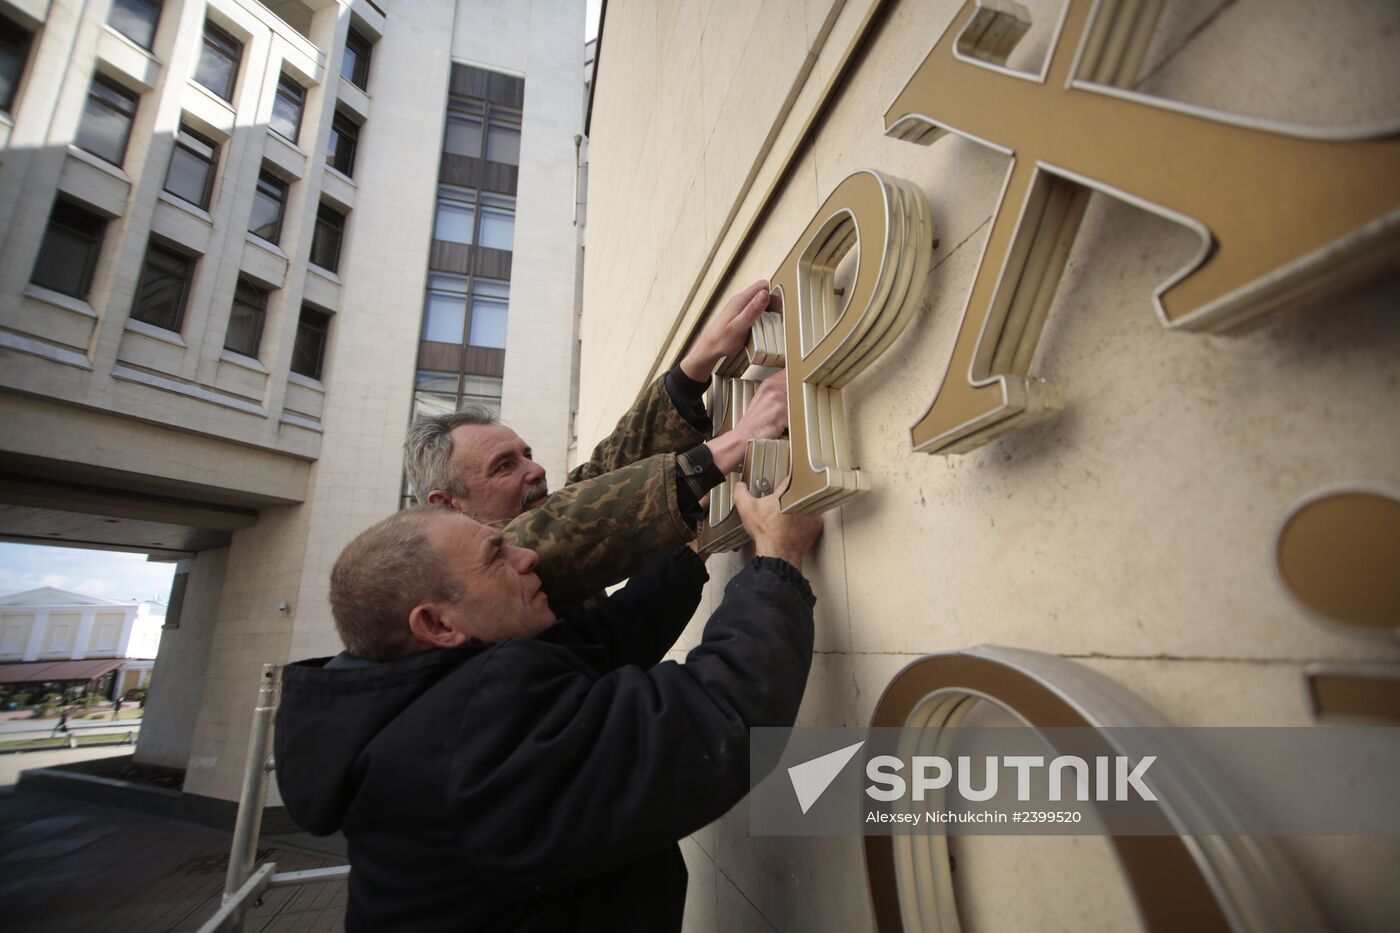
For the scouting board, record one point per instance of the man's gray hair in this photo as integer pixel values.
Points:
(381, 576)
(428, 450)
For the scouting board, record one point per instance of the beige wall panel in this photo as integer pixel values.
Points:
(59, 635)
(14, 634)
(52, 322)
(700, 891)
(178, 677)
(240, 380)
(1300, 55)
(1133, 533)
(264, 569)
(106, 631)
(163, 356)
(304, 399)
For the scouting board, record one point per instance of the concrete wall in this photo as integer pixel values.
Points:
(177, 680)
(1131, 534)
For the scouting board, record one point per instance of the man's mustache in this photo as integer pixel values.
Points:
(533, 495)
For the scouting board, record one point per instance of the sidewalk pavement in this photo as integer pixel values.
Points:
(12, 763)
(87, 868)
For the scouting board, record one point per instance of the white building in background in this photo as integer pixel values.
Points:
(242, 243)
(45, 631)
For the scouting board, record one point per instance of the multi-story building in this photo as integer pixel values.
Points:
(242, 243)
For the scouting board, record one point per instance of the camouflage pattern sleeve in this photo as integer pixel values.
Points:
(599, 531)
(651, 426)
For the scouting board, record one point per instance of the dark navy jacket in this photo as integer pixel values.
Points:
(541, 784)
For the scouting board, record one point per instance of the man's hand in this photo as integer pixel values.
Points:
(727, 331)
(766, 417)
(774, 533)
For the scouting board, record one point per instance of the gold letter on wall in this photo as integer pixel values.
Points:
(828, 343)
(1285, 213)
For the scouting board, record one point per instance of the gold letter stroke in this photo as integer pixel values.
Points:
(886, 220)
(1285, 213)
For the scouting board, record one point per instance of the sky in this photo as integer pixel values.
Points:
(109, 574)
(590, 22)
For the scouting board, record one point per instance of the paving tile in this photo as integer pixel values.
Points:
(136, 872)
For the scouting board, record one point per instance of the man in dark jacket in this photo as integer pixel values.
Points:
(492, 770)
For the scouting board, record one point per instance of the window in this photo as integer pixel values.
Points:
(165, 285)
(463, 135)
(445, 318)
(287, 108)
(354, 64)
(309, 350)
(192, 166)
(107, 118)
(218, 61)
(438, 393)
(340, 154)
(503, 141)
(489, 299)
(68, 253)
(245, 321)
(456, 215)
(269, 202)
(497, 222)
(14, 49)
(135, 19)
(325, 241)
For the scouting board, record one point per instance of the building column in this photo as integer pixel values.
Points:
(83, 635)
(37, 628)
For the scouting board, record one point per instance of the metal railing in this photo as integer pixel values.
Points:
(244, 886)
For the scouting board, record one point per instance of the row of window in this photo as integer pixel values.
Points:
(458, 211)
(218, 64)
(68, 256)
(110, 112)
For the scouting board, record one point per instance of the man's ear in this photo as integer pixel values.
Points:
(428, 623)
(439, 497)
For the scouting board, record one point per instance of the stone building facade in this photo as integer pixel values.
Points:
(1131, 535)
(243, 243)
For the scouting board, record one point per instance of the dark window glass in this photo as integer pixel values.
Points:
(354, 64)
(309, 350)
(165, 284)
(463, 135)
(503, 142)
(341, 152)
(69, 251)
(268, 204)
(325, 242)
(192, 165)
(245, 321)
(107, 118)
(135, 19)
(287, 108)
(14, 49)
(218, 61)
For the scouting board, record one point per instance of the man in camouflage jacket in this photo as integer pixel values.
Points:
(635, 498)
